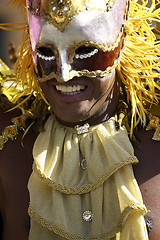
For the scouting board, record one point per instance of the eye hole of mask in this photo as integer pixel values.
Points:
(45, 61)
(84, 50)
(96, 59)
(86, 58)
(44, 51)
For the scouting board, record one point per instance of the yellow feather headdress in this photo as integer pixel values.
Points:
(139, 64)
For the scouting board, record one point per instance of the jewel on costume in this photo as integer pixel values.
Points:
(109, 5)
(34, 10)
(82, 129)
(83, 164)
(87, 216)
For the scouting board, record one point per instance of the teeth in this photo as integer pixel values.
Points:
(71, 93)
(70, 90)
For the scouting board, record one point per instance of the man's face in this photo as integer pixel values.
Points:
(90, 44)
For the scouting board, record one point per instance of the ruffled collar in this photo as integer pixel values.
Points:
(74, 175)
(74, 163)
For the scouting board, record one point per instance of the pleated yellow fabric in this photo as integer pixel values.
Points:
(63, 186)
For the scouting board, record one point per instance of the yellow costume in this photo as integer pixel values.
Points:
(82, 185)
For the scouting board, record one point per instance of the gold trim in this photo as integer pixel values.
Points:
(83, 189)
(3, 66)
(60, 13)
(156, 135)
(7, 75)
(56, 229)
(84, 72)
(50, 46)
(59, 25)
(154, 124)
(102, 47)
(75, 46)
(11, 131)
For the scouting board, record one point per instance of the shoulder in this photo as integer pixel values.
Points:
(15, 169)
(147, 151)
(16, 150)
(13, 122)
(148, 148)
(147, 173)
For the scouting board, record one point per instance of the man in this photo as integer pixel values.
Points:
(89, 58)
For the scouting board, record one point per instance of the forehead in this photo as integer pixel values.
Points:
(97, 26)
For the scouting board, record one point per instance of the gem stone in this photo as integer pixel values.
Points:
(54, 8)
(109, 8)
(87, 216)
(65, 9)
(82, 129)
(87, 8)
(83, 164)
(37, 10)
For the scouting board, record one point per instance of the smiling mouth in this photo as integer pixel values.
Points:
(70, 90)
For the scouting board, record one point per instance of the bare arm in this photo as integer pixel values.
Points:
(147, 173)
(15, 169)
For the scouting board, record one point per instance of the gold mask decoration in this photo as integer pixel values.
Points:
(61, 12)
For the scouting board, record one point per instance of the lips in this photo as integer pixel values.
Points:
(70, 92)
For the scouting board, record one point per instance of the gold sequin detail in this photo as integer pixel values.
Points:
(73, 73)
(109, 5)
(52, 227)
(82, 129)
(61, 12)
(11, 131)
(154, 124)
(156, 135)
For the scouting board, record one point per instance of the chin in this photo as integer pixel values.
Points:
(72, 119)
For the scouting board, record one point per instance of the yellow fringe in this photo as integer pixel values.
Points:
(140, 60)
(20, 26)
(138, 67)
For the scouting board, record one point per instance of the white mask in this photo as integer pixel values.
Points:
(88, 44)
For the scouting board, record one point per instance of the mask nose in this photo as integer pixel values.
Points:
(64, 68)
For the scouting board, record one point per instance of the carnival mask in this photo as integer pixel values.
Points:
(76, 38)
